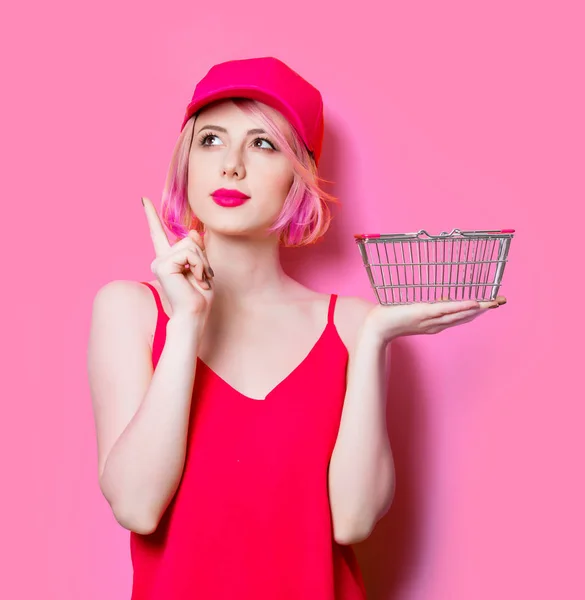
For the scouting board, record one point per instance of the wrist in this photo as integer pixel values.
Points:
(382, 321)
(373, 330)
(190, 325)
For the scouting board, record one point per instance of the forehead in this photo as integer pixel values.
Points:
(227, 114)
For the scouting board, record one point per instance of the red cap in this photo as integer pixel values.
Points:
(272, 82)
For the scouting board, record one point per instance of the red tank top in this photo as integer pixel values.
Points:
(251, 517)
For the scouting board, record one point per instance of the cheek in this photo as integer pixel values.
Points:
(281, 183)
(198, 182)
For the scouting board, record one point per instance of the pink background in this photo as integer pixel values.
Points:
(451, 114)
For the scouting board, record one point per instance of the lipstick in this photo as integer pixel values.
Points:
(229, 197)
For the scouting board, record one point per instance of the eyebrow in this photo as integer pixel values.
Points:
(224, 130)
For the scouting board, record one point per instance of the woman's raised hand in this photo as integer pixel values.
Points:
(425, 318)
(182, 269)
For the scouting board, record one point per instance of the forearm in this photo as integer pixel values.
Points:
(145, 465)
(361, 472)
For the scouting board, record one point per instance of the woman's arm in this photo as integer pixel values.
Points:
(141, 417)
(361, 470)
(361, 473)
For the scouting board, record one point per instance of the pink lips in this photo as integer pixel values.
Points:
(228, 198)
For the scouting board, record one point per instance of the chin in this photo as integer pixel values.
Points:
(239, 229)
(237, 222)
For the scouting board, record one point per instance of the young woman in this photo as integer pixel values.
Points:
(240, 416)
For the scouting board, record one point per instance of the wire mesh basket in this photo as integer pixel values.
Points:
(418, 267)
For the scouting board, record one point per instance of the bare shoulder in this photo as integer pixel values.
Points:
(125, 302)
(121, 294)
(350, 314)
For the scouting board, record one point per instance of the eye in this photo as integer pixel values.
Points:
(267, 141)
(203, 139)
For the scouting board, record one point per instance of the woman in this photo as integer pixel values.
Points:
(240, 416)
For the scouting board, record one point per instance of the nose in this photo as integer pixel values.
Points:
(233, 165)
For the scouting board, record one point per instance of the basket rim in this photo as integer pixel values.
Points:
(471, 233)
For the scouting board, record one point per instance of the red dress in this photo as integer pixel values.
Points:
(251, 517)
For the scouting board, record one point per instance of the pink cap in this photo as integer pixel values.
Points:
(272, 82)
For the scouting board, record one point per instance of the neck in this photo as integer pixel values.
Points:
(245, 268)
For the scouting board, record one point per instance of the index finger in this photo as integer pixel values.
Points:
(157, 233)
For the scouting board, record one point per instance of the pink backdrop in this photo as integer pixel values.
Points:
(451, 114)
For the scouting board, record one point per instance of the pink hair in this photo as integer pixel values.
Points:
(305, 215)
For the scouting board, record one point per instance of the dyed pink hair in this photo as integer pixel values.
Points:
(305, 215)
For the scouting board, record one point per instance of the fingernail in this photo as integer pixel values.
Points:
(494, 306)
(211, 272)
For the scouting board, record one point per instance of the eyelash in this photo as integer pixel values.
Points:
(203, 137)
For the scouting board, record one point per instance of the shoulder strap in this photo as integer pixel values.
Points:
(157, 299)
(158, 341)
(332, 301)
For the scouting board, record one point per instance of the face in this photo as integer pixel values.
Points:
(230, 150)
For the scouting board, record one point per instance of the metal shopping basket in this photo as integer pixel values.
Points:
(418, 267)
